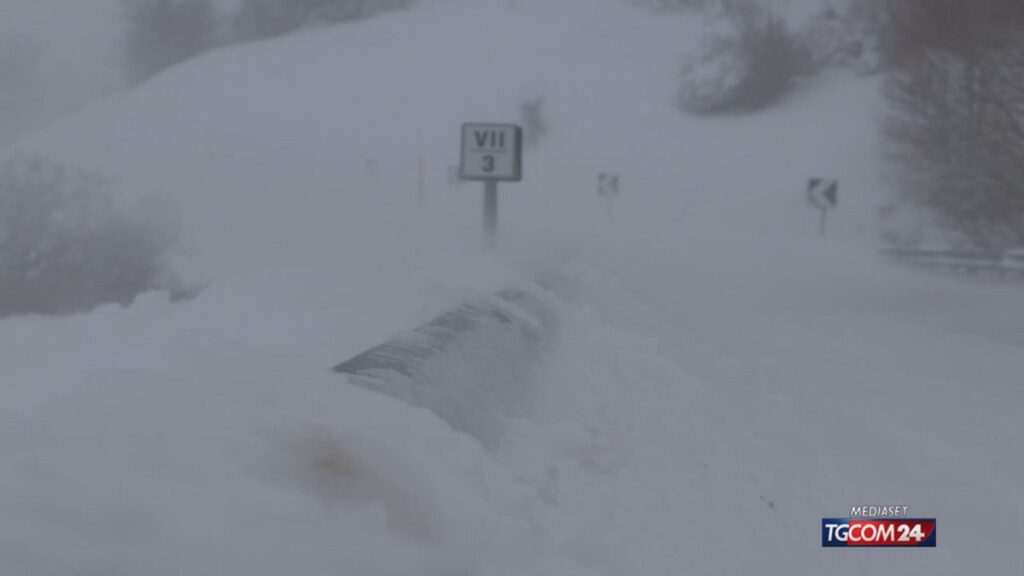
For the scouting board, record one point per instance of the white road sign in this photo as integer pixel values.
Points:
(492, 152)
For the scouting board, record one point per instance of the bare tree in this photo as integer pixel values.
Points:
(956, 97)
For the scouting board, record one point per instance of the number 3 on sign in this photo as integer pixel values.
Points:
(488, 166)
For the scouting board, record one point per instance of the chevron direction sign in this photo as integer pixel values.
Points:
(823, 193)
(607, 184)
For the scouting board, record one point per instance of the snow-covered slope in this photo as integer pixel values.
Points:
(722, 380)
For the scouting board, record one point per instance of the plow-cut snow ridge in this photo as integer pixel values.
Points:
(721, 378)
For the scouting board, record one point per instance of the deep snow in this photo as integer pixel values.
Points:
(721, 380)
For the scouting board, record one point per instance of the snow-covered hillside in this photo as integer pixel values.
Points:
(722, 378)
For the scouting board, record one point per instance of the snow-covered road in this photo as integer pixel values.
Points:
(718, 415)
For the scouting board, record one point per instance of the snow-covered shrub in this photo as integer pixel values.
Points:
(65, 246)
(534, 120)
(342, 10)
(256, 19)
(162, 33)
(746, 63)
(669, 5)
(834, 39)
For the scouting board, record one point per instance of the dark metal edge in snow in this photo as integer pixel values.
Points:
(472, 366)
(404, 353)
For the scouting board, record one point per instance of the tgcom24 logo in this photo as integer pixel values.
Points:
(878, 526)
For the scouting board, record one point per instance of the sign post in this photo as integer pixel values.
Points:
(491, 153)
(490, 214)
(823, 194)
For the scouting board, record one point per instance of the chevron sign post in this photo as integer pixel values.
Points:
(823, 194)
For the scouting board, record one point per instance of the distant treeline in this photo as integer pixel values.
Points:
(162, 33)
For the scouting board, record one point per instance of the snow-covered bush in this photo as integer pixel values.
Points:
(669, 5)
(65, 246)
(534, 120)
(256, 19)
(746, 63)
(162, 33)
(841, 39)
